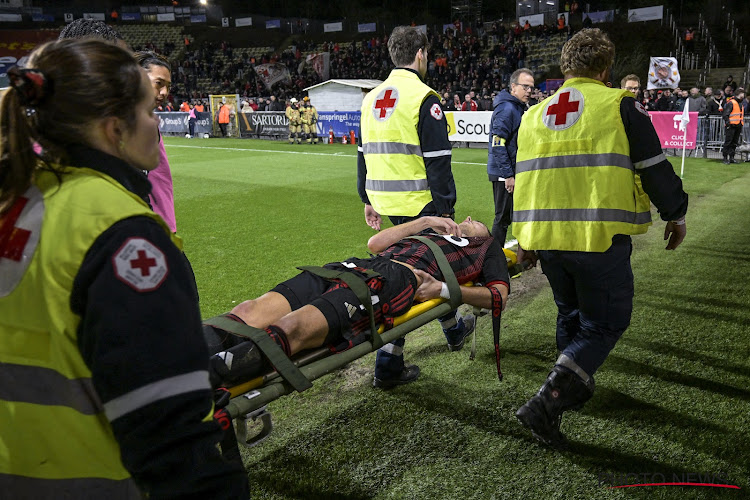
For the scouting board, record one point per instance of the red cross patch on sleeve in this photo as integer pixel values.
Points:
(436, 111)
(140, 264)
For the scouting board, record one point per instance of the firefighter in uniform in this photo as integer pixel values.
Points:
(579, 196)
(734, 116)
(404, 170)
(100, 331)
(295, 121)
(309, 121)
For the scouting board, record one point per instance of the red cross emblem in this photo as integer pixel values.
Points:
(567, 102)
(13, 239)
(143, 263)
(140, 264)
(385, 103)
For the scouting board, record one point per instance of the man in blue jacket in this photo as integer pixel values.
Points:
(509, 106)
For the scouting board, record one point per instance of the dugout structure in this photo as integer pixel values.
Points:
(231, 100)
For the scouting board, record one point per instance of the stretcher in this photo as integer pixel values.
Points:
(248, 401)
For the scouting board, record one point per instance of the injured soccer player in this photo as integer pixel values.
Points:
(309, 311)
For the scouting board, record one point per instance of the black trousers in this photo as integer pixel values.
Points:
(503, 211)
(732, 136)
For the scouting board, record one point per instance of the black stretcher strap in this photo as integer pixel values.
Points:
(357, 285)
(268, 347)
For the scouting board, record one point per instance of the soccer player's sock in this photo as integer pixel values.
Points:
(279, 336)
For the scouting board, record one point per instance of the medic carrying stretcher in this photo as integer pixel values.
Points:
(323, 318)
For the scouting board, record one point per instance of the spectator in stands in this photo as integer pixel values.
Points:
(168, 107)
(715, 105)
(729, 83)
(708, 93)
(690, 39)
(665, 101)
(648, 100)
(275, 105)
(696, 102)
(469, 104)
(90, 28)
(680, 98)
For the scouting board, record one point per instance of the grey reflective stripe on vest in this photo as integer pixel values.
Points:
(435, 154)
(566, 161)
(44, 386)
(397, 186)
(650, 162)
(94, 488)
(581, 214)
(156, 391)
(391, 148)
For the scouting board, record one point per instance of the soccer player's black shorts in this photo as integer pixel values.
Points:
(348, 322)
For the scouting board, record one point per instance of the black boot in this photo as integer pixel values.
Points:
(237, 364)
(542, 414)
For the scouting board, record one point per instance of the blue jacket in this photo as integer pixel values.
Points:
(506, 118)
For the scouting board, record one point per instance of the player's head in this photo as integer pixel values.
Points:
(407, 46)
(470, 227)
(589, 53)
(43, 105)
(159, 72)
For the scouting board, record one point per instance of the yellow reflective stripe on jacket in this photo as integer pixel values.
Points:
(90, 488)
(576, 186)
(396, 182)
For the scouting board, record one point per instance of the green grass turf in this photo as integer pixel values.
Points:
(672, 398)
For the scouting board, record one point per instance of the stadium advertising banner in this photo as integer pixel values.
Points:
(604, 16)
(177, 123)
(469, 126)
(198, 18)
(264, 123)
(366, 27)
(340, 122)
(329, 27)
(10, 18)
(16, 45)
(165, 18)
(44, 18)
(667, 125)
(243, 21)
(131, 16)
(646, 14)
(96, 16)
(274, 23)
(534, 20)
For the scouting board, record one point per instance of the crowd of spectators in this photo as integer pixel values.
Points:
(467, 59)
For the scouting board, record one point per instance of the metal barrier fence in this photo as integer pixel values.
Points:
(711, 137)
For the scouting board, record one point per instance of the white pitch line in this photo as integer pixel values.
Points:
(338, 155)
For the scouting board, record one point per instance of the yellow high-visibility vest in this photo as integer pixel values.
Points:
(576, 186)
(56, 441)
(396, 182)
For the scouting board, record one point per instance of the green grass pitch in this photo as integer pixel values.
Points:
(673, 398)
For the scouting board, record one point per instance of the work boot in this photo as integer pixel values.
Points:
(726, 161)
(542, 414)
(732, 160)
(409, 374)
(457, 338)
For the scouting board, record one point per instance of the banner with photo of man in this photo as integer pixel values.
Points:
(272, 73)
(663, 73)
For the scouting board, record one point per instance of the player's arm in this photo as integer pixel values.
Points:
(392, 235)
(436, 150)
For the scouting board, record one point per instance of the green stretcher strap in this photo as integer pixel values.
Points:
(356, 285)
(268, 347)
(454, 289)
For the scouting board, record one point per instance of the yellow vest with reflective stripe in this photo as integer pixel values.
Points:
(576, 187)
(55, 436)
(396, 182)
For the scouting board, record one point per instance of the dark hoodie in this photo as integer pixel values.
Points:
(506, 118)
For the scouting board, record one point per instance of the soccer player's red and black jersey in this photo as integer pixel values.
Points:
(475, 259)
